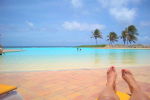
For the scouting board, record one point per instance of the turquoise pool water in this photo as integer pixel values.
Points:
(70, 58)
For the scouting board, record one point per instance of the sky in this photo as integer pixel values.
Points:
(70, 22)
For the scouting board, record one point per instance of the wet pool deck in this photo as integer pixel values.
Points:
(69, 85)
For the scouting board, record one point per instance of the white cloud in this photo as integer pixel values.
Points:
(120, 10)
(74, 25)
(145, 23)
(30, 24)
(118, 3)
(124, 15)
(113, 3)
(76, 3)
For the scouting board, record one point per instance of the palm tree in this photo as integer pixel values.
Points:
(123, 36)
(96, 34)
(112, 37)
(132, 38)
(132, 34)
(129, 35)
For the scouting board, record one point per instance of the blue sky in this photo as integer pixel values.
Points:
(70, 22)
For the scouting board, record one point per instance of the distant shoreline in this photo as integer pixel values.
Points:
(11, 50)
(35, 46)
(115, 46)
(118, 46)
(122, 48)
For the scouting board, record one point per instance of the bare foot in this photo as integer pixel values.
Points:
(111, 77)
(128, 77)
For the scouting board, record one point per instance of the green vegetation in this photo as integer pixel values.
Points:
(123, 36)
(112, 37)
(96, 34)
(103, 45)
(128, 35)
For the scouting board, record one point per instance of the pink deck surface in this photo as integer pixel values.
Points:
(69, 85)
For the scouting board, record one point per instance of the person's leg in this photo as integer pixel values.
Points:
(109, 91)
(136, 92)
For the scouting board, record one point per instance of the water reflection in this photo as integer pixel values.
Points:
(113, 57)
(97, 59)
(129, 58)
(71, 58)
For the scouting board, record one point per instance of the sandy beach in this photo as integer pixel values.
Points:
(121, 48)
(69, 85)
(125, 47)
(11, 50)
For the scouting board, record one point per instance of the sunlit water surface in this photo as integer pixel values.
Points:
(31, 59)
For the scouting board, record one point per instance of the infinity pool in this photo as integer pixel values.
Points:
(34, 59)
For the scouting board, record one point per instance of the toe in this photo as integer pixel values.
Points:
(126, 71)
(123, 72)
(109, 69)
(113, 68)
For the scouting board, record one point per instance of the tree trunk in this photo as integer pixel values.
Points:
(111, 43)
(124, 42)
(96, 40)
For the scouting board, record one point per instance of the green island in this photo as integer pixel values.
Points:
(92, 46)
(136, 46)
(129, 36)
